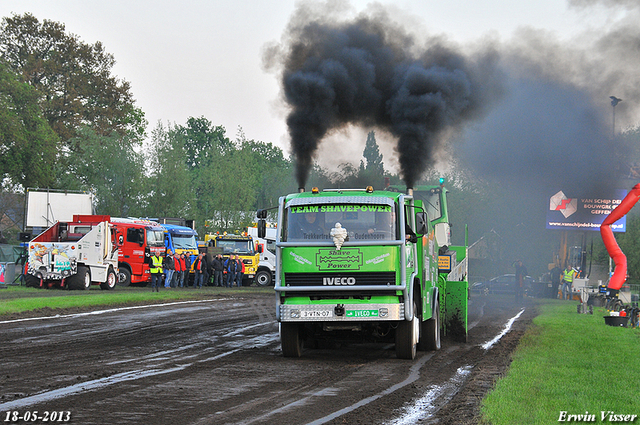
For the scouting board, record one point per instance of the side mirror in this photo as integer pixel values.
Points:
(422, 223)
(262, 226)
(260, 248)
(261, 214)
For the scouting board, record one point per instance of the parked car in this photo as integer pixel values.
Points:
(504, 284)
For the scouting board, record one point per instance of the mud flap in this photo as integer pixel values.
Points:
(454, 296)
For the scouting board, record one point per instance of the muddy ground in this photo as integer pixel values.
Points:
(218, 361)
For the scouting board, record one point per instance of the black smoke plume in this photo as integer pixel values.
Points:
(553, 127)
(370, 72)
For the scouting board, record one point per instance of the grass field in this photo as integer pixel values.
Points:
(17, 299)
(572, 363)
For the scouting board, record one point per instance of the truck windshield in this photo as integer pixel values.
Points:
(362, 222)
(155, 237)
(184, 242)
(432, 204)
(236, 247)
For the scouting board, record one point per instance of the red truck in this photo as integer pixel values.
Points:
(136, 239)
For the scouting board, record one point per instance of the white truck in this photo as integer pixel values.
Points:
(75, 254)
(265, 275)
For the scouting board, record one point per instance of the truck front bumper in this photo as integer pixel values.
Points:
(341, 312)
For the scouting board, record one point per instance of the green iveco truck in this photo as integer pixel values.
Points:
(365, 265)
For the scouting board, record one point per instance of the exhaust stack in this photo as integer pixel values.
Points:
(410, 191)
(300, 189)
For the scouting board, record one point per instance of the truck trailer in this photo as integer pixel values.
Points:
(359, 264)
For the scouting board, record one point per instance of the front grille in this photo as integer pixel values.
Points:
(340, 279)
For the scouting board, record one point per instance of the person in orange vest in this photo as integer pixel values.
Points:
(239, 270)
(198, 269)
(178, 276)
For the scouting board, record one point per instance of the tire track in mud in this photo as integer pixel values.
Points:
(223, 364)
(150, 341)
(465, 374)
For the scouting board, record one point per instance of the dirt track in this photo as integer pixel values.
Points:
(219, 362)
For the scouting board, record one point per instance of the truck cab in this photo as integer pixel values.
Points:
(265, 276)
(359, 261)
(242, 245)
(356, 261)
(138, 239)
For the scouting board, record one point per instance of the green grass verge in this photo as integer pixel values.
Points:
(568, 362)
(18, 299)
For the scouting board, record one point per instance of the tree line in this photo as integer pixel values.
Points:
(67, 123)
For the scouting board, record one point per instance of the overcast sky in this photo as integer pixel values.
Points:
(204, 58)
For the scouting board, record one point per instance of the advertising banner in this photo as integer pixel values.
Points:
(570, 211)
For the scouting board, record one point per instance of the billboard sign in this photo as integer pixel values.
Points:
(45, 208)
(569, 211)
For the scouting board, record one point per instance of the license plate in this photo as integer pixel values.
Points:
(316, 314)
(362, 313)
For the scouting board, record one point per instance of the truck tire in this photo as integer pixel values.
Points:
(81, 280)
(112, 279)
(430, 333)
(263, 278)
(407, 337)
(290, 340)
(124, 277)
(30, 281)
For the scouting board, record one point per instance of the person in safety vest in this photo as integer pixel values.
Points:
(567, 281)
(198, 269)
(155, 267)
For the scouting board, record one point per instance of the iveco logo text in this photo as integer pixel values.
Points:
(338, 280)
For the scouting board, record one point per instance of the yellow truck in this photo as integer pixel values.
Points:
(242, 245)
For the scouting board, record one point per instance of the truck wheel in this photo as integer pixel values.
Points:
(407, 336)
(263, 278)
(80, 280)
(430, 334)
(84, 278)
(124, 277)
(30, 281)
(290, 340)
(112, 279)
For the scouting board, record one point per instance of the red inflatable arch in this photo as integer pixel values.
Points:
(620, 260)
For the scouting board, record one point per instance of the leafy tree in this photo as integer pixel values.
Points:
(234, 194)
(169, 191)
(12, 203)
(28, 146)
(272, 172)
(73, 79)
(203, 142)
(111, 168)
